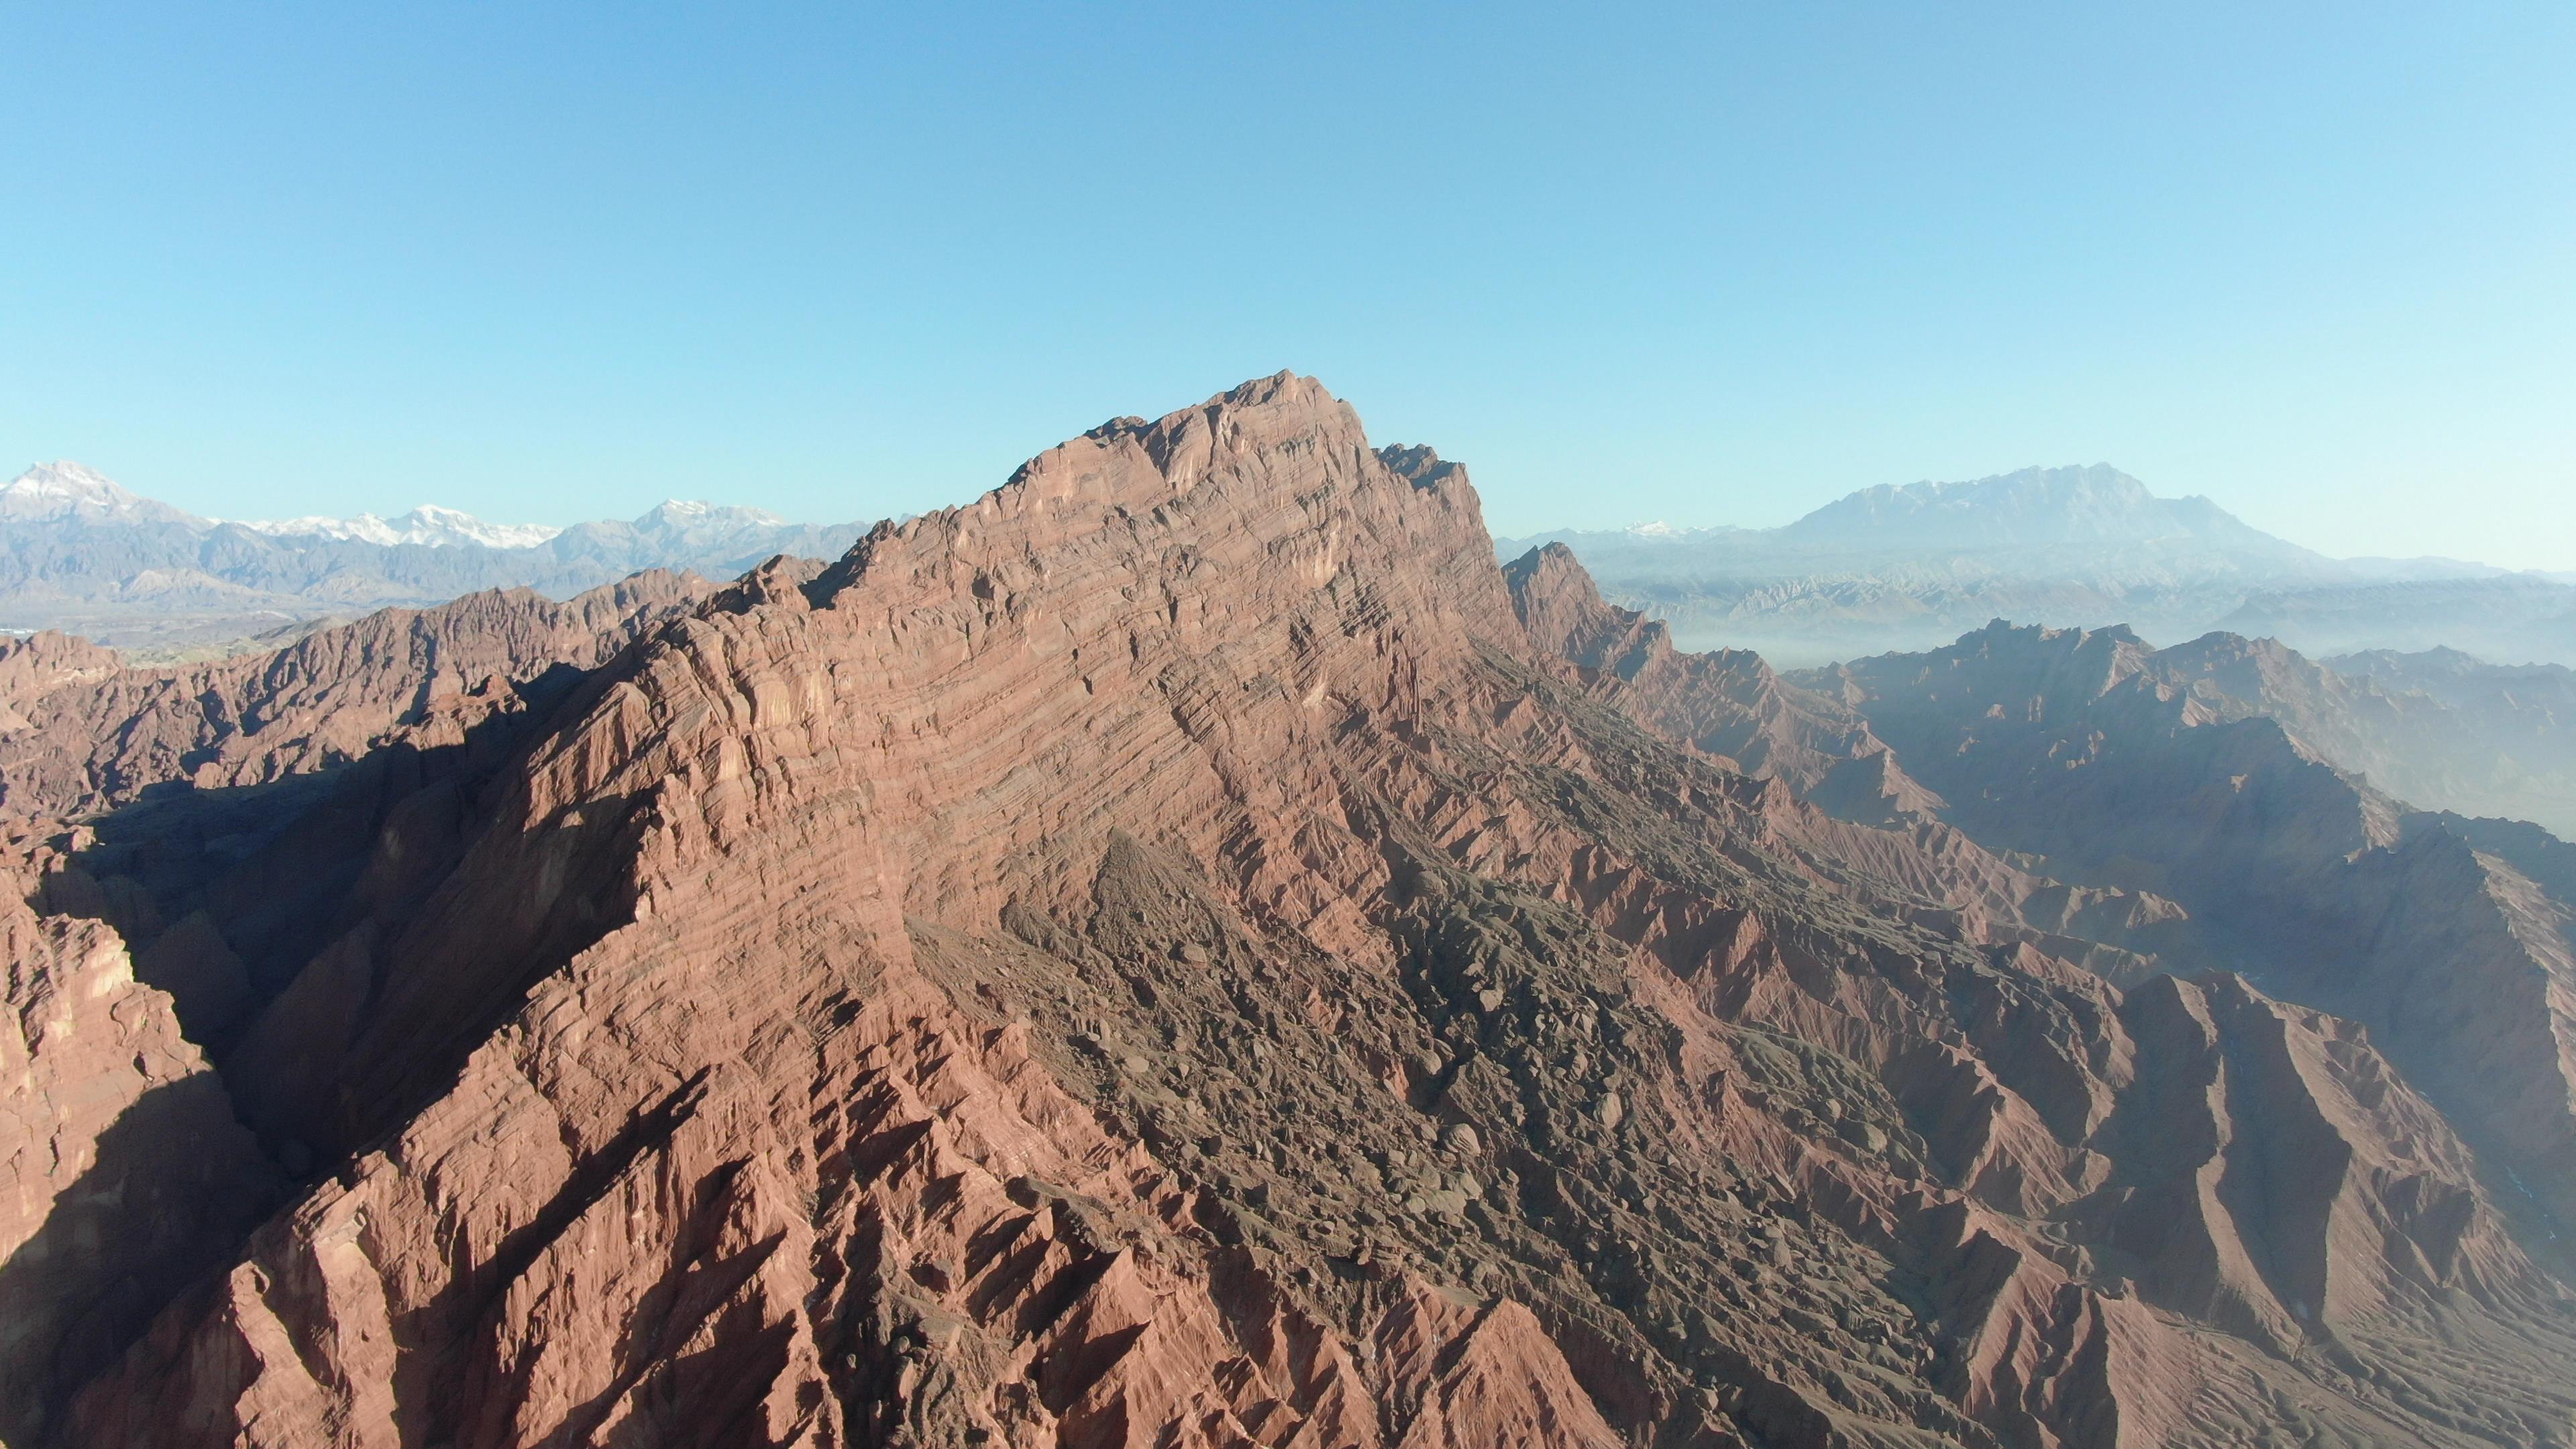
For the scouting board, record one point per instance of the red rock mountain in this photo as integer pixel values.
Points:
(1184, 950)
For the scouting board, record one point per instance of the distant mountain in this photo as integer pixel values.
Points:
(2501, 739)
(81, 554)
(1913, 567)
(428, 524)
(2438, 729)
(2034, 508)
(66, 492)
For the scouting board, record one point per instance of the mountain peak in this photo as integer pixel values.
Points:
(67, 490)
(678, 515)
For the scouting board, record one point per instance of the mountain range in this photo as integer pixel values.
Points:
(432, 525)
(1192, 948)
(80, 553)
(1912, 567)
(1886, 568)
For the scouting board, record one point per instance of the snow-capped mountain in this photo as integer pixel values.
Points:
(428, 524)
(682, 521)
(80, 553)
(682, 518)
(68, 492)
(691, 513)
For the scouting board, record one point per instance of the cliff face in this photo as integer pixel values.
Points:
(1184, 951)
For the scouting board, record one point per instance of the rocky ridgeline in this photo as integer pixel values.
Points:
(1186, 950)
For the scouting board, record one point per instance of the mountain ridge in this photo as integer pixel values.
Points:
(427, 523)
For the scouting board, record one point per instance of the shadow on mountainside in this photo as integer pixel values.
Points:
(234, 901)
(174, 1190)
(226, 896)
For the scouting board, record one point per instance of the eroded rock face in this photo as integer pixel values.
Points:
(122, 1171)
(1182, 951)
(78, 732)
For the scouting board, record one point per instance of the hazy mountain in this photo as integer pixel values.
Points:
(2036, 508)
(81, 554)
(1912, 567)
(2515, 618)
(2499, 740)
(2221, 775)
(2440, 730)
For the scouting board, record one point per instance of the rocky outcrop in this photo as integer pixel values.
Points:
(1165, 954)
(40, 663)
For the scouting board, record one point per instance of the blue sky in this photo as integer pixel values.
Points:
(1708, 263)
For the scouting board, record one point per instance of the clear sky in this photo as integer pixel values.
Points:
(1710, 263)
